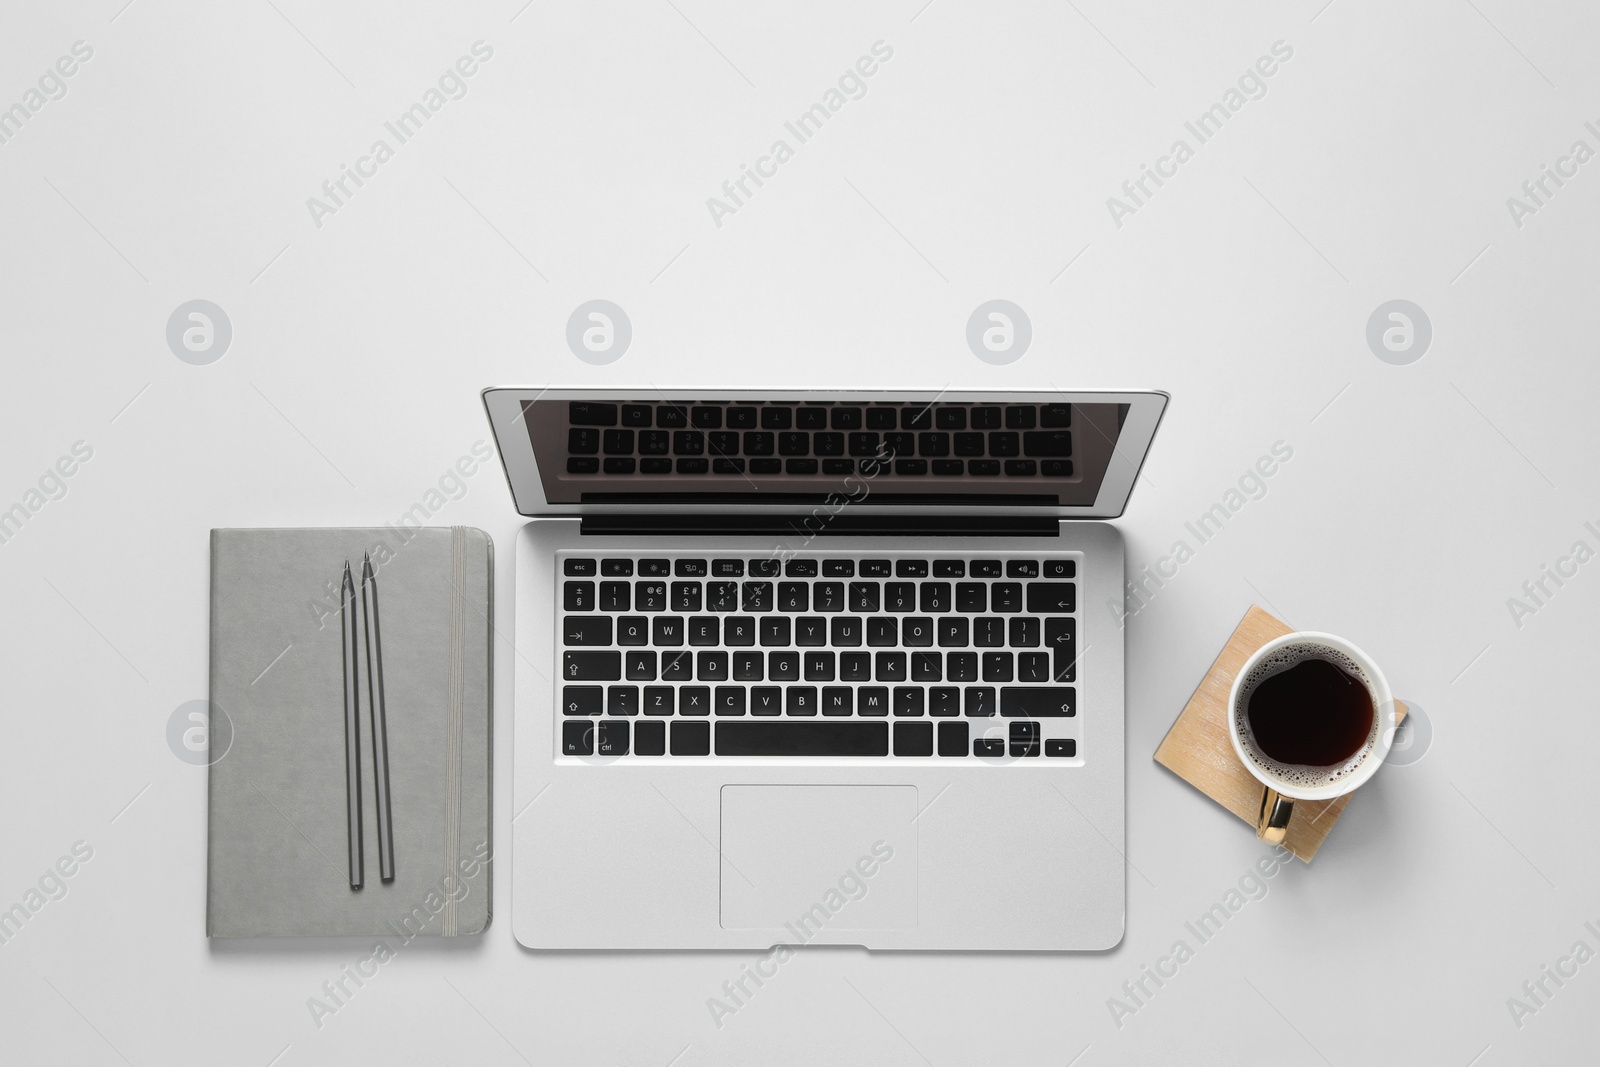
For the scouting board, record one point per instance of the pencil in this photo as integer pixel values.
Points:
(380, 719)
(349, 640)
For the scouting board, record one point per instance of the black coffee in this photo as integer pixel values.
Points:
(1313, 714)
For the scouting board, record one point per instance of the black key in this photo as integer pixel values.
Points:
(1004, 443)
(803, 738)
(707, 418)
(739, 631)
(774, 631)
(984, 468)
(666, 630)
(969, 444)
(874, 700)
(690, 568)
(839, 568)
(1043, 443)
(911, 568)
(989, 632)
(691, 739)
(855, 666)
(800, 466)
(1061, 636)
(650, 596)
(655, 466)
(677, 666)
(838, 466)
(935, 596)
(864, 596)
(783, 666)
(899, 596)
(694, 700)
(1024, 632)
(758, 443)
(982, 746)
(579, 568)
(811, 417)
(693, 466)
(1018, 418)
(819, 666)
(1024, 739)
(722, 596)
(863, 444)
(622, 700)
(827, 596)
(581, 699)
(917, 631)
(579, 596)
(587, 630)
(704, 630)
(948, 417)
(654, 442)
(944, 700)
(1046, 598)
(1021, 468)
(1006, 597)
(876, 568)
(749, 666)
(583, 442)
(911, 468)
(933, 445)
(764, 568)
(672, 416)
(588, 413)
(1022, 568)
(828, 444)
(591, 666)
(881, 418)
(1061, 746)
(927, 667)
(756, 596)
(619, 443)
(793, 596)
(636, 415)
(766, 700)
(1039, 702)
(617, 568)
(908, 701)
(650, 739)
(891, 666)
(741, 418)
(949, 568)
(997, 667)
(986, 568)
(1055, 416)
(972, 596)
(916, 417)
(913, 739)
(837, 699)
(727, 568)
(633, 630)
(611, 738)
(953, 632)
(800, 700)
(730, 700)
(846, 418)
(1060, 568)
(1056, 468)
(724, 445)
(689, 442)
(985, 418)
(655, 568)
(659, 699)
(794, 443)
(577, 738)
(641, 666)
(776, 417)
(686, 596)
(810, 631)
(962, 666)
(952, 739)
(948, 468)
(800, 568)
(882, 632)
(979, 701)
(1033, 666)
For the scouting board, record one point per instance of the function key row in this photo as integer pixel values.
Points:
(778, 416)
(574, 567)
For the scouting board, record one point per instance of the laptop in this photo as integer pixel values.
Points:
(833, 668)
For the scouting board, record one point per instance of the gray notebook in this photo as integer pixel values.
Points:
(278, 834)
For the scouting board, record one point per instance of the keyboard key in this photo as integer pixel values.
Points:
(730, 700)
(666, 630)
(876, 568)
(1061, 636)
(579, 596)
(655, 568)
(1004, 444)
(1022, 568)
(855, 666)
(863, 444)
(891, 666)
(741, 418)
(690, 568)
(727, 568)
(758, 443)
(672, 416)
(1021, 418)
(979, 701)
(1047, 598)
(1061, 746)
(899, 596)
(1024, 739)
(707, 418)
(846, 418)
(739, 631)
(800, 466)
(689, 442)
(655, 466)
(950, 417)
(650, 596)
(800, 568)
(704, 630)
(810, 631)
(873, 700)
(961, 666)
(640, 666)
(827, 596)
(984, 468)
(821, 738)
(839, 568)
(1021, 468)
(766, 700)
(677, 666)
(722, 596)
(953, 632)
(969, 444)
(615, 596)
(659, 699)
(581, 699)
(691, 739)
(577, 738)
(579, 568)
(916, 417)
(811, 417)
(756, 597)
(686, 596)
(945, 700)
(611, 738)
(1060, 568)
(694, 700)
(864, 596)
(619, 443)
(913, 739)
(948, 468)
(911, 568)
(883, 632)
(654, 442)
(928, 667)
(617, 568)
(1055, 416)
(1024, 632)
(911, 468)
(1033, 667)
(783, 666)
(622, 700)
(1039, 702)
(952, 739)
(776, 417)
(989, 632)
(587, 630)
(837, 700)
(724, 443)
(650, 739)
(749, 666)
(794, 444)
(800, 700)
(828, 444)
(908, 701)
(933, 445)
(972, 597)
(764, 568)
(1047, 443)
(588, 413)
(881, 418)
(774, 631)
(997, 667)
(1006, 597)
(935, 596)
(838, 466)
(583, 442)
(693, 466)
(985, 418)
(982, 746)
(819, 666)
(633, 630)
(591, 666)
(917, 632)
(793, 596)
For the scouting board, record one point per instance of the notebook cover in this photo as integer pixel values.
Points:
(277, 857)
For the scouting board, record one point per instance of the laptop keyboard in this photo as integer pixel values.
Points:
(943, 657)
(776, 437)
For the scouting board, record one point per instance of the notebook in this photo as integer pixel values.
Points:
(277, 857)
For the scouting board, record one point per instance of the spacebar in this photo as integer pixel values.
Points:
(802, 739)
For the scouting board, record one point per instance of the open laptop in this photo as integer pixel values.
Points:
(819, 667)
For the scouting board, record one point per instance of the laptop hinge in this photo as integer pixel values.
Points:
(807, 526)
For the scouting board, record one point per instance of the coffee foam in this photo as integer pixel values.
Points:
(1299, 775)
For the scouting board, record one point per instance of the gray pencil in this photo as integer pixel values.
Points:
(380, 719)
(350, 653)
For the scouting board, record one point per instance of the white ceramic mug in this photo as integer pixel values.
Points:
(1283, 784)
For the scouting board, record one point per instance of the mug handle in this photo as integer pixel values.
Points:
(1272, 824)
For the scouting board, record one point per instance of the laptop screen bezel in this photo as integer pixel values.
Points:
(505, 405)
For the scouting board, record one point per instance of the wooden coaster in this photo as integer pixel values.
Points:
(1198, 749)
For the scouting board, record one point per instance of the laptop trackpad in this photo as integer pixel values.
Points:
(819, 857)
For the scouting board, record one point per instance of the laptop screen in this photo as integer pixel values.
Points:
(916, 453)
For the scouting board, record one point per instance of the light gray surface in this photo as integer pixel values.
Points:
(1418, 500)
(277, 863)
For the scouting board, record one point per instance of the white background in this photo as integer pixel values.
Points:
(1418, 500)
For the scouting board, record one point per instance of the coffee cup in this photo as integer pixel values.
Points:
(1311, 717)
